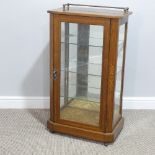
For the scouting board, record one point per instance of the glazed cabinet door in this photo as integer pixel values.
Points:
(81, 47)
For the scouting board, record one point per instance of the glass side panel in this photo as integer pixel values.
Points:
(118, 83)
(81, 60)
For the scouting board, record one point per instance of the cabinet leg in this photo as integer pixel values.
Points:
(106, 144)
(52, 131)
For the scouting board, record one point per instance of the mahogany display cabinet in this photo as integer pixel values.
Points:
(87, 59)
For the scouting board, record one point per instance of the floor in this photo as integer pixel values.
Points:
(24, 132)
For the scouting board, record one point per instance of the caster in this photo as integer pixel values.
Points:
(106, 144)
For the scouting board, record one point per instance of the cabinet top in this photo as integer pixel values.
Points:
(95, 11)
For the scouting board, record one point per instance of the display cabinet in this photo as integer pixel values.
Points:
(87, 59)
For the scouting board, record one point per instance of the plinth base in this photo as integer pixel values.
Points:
(85, 133)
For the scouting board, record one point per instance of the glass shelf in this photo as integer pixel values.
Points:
(83, 98)
(91, 80)
(95, 54)
(95, 34)
(74, 66)
(120, 45)
(98, 74)
(93, 63)
(82, 73)
(75, 36)
(82, 44)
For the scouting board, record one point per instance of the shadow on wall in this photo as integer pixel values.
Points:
(37, 80)
(37, 84)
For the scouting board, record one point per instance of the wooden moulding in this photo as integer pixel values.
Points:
(91, 12)
(84, 133)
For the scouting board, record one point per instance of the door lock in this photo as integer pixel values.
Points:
(54, 75)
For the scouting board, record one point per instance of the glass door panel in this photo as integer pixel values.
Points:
(81, 63)
(118, 83)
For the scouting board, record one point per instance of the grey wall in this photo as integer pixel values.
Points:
(24, 46)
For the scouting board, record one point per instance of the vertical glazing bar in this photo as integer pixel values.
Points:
(82, 60)
(66, 63)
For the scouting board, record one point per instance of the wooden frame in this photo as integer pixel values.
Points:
(107, 131)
